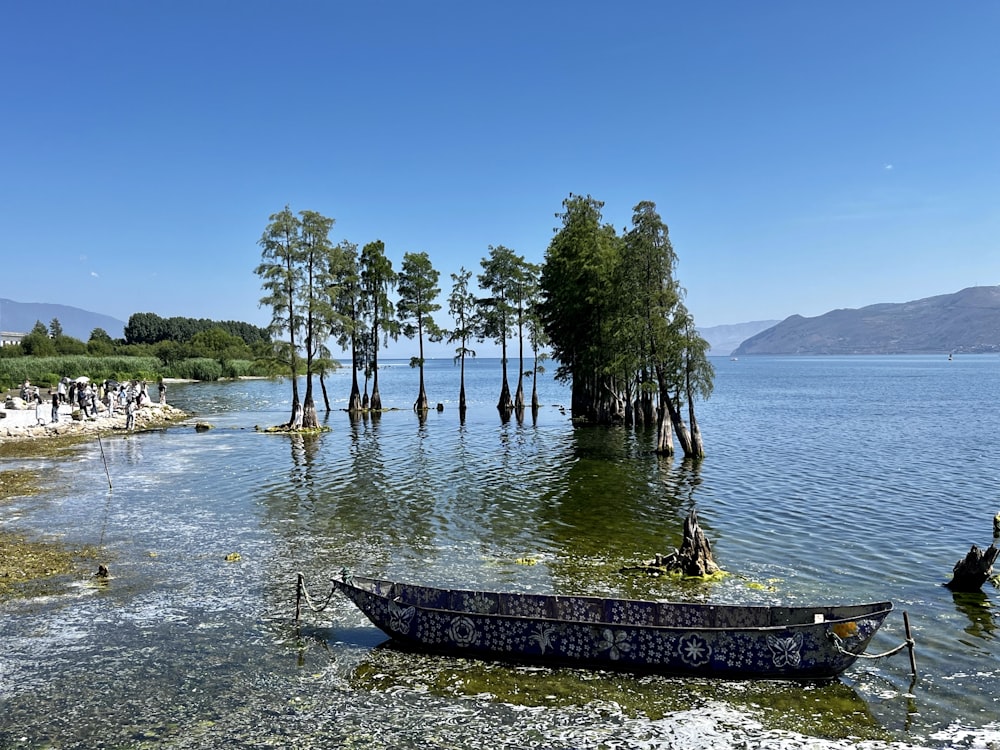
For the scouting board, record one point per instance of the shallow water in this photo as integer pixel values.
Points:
(833, 479)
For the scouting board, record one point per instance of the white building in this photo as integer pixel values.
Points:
(7, 338)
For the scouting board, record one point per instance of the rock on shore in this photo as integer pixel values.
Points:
(22, 424)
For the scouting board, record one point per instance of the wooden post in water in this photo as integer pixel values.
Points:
(910, 644)
(299, 586)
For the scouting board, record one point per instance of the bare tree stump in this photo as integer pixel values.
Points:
(974, 570)
(694, 558)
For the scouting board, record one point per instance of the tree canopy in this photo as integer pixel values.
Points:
(613, 314)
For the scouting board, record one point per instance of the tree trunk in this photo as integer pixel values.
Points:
(461, 386)
(376, 402)
(421, 404)
(354, 402)
(534, 390)
(505, 404)
(694, 558)
(697, 446)
(680, 429)
(974, 570)
(664, 433)
(695, 554)
(519, 394)
(309, 418)
(326, 396)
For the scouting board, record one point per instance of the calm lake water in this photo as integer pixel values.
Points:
(827, 479)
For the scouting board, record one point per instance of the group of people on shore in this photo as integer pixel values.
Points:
(107, 396)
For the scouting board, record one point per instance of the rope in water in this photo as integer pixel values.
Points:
(908, 643)
(301, 592)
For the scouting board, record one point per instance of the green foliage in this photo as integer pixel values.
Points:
(462, 308)
(613, 314)
(69, 345)
(145, 328)
(150, 328)
(38, 344)
(197, 368)
(100, 343)
(418, 289)
(219, 344)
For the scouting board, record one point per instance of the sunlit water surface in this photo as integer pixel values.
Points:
(827, 479)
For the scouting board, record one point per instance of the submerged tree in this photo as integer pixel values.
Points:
(320, 260)
(377, 278)
(281, 274)
(537, 340)
(523, 290)
(348, 325)
(462, 308)
(297, 261)
(577, 304)
(612, 310)
(417, 288)
(500, 276)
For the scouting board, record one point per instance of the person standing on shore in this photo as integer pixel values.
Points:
(39, 411)
(163, 392)
(61, 391)
(55, 406)
(83, 399)
(130, 414)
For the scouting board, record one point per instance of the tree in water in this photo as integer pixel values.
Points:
(523, 290)
(377, 278)
(500, 276)
(614, 315)
(348, 325)
(537, 339)
(462, 308)
(281, 274)
(417, 288)
(578, 298)
(320, 261)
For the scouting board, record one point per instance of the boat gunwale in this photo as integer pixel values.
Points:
(880, 609)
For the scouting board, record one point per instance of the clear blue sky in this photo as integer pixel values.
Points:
(806, 156)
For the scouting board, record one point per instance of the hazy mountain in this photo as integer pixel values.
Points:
(967, 321)
(20, 317)
(724, 339)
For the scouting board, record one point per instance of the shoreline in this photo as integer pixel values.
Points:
(21, 424)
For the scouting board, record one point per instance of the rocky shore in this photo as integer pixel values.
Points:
(22, 424)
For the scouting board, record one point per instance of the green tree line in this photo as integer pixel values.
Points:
(197, 349)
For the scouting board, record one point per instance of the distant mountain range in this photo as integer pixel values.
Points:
(20, 317)
(724, 339)
(964, 322)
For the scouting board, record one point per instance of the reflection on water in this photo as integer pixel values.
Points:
(976, 606)
(826, 480)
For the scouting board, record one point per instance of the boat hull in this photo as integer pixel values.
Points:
(729, 641)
